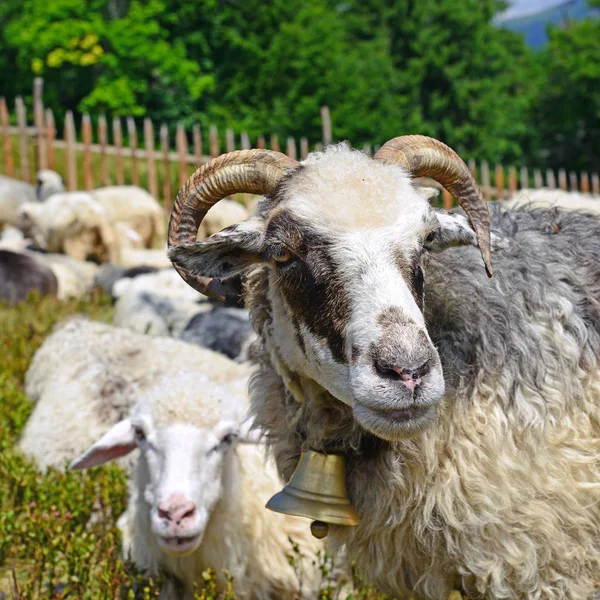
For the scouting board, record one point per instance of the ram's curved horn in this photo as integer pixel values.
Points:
(243, 171)
(427, 157)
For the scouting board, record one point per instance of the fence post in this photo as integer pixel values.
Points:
(367, 149)
(86, 132)
(133, 144)
(499, 181)
(291, 148)
(275, 143)
(245, 139)
(595, 184)
(447, 200)
(562, 179)
(260, 142)
(524, 177)
(512, 179)
(213, 135)
(303, 148)
(118, 142)
(149, 143)
(585, 183)
(8, 157)
(23, 142)
(181, 143)
(70, 151)
(50, 137)
(485, 179)
(197, 134)
(473, 168)
(164, 146)
(38, 115)
(573, 181)
(229, 140)
(326, 122)
(550, 179)
(537, 179)
(103, 140)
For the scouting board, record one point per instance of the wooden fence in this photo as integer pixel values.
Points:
(94, 162)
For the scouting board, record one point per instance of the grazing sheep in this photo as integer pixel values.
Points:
(198, 495)
(21, 274)
(135, 257)
(224, 330)
(92, 373)
(222, 215)
(14, 193)
(468, 409)
(546, 198)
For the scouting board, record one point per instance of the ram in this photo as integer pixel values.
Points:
(467, 408)
(547, 198)
(198, 492)
(21, 274)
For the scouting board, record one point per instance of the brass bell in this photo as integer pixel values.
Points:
(317, 490)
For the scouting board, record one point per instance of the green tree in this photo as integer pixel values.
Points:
(568, 115)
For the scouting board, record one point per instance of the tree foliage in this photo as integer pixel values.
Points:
(385, 68)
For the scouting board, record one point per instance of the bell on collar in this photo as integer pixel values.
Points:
(317, 490)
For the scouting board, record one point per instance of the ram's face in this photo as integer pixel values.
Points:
(346, 242)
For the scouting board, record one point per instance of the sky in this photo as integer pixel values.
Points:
(520, 8)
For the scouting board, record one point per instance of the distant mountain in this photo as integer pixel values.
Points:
(531, 17)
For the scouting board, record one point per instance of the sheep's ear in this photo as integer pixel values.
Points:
(118, 441)
(455, 230)
(225, 253)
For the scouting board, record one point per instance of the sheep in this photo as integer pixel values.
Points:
(108, 275)
(89, 372)
(102, 225)
(222, 329)
(13, 193)
(197, 494)
(226, 213)
(467, 408)
(134, 208)
(21, 274)
(157, 304)
(73, 223)
(548, 198)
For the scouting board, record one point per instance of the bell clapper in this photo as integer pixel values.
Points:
(319, 529)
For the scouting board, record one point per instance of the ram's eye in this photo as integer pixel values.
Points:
(140, 436)
(430, 237)
(282, 255)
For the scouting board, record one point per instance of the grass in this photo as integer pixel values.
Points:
(50, 547)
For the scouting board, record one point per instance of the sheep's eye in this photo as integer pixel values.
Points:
(430, 237)
(228, 439)
(282, 255)
(140, 436)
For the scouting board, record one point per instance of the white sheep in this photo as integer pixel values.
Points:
(137, 210)
(14, 193)
(225, 213)
(547, 198)
(198, 495)
(73, 223)
(92, 373)
(104, 225)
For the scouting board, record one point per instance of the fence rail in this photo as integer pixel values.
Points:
(93, 161)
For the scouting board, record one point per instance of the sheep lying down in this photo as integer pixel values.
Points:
(198, 492)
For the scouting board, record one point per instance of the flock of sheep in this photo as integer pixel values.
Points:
(454, 398)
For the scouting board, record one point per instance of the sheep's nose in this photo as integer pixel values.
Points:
(176, 509)
(410, 376)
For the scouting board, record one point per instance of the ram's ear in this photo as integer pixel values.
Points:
(223, 254)
(118, 441)
(455, 230)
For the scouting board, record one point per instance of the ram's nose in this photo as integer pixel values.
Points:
(177, 509)
(410, 376)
